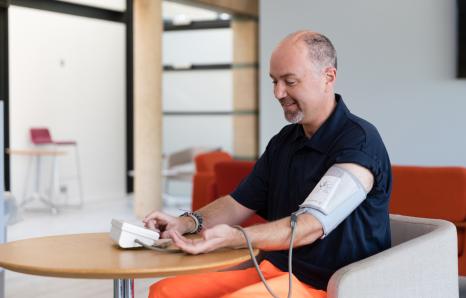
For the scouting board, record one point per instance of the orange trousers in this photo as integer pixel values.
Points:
(233, 284)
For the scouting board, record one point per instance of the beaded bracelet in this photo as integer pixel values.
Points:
(198, 220)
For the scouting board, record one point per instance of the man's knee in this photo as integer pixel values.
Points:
(163, 288)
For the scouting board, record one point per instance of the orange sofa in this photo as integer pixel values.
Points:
(204, 188)
(432, 192)
(219, 180)
(228, 175)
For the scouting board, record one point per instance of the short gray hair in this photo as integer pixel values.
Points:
(321, 50)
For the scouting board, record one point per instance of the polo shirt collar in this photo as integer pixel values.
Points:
(329, 130)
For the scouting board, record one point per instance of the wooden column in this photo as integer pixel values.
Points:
(245, 91)
(147, 20)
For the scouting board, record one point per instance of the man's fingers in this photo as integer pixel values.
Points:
(177, 238)
(157, 220)
(153, 215)
(165, 235)
(150, 224)
(157, 215)
(196, 246)
(185, 244)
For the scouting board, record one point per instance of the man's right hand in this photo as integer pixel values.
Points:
(163, 223)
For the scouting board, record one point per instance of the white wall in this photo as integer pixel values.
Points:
(397, 63)
(68, 73)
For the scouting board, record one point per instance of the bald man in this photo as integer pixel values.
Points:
(323, 133)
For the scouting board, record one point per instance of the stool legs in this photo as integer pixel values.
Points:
(46, 200)
(77, 177)
(78, 172)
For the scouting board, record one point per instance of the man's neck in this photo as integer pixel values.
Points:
(323, 115)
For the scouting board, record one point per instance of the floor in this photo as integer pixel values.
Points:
(93, 217)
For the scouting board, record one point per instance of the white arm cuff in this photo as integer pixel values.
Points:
(331, 221)
(348, 200)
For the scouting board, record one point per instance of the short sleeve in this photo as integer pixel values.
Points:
(358, 157)
(366, 160)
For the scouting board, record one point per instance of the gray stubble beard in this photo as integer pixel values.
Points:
(294, 117)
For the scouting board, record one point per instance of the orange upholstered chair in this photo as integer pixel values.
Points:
(432, 192)
(228, 174)
(218, 176)
(203, 180)
(206, 162)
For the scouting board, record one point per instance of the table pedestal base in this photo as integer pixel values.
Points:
(123, 288)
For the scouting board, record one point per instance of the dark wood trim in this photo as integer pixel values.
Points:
(4, 89)
(73, 9)
(196, 25)
(4, 3)
(129, 97)
(209, 113)
(461, 35)
(218, 66)
(197, 67)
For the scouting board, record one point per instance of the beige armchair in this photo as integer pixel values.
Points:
(421, 263)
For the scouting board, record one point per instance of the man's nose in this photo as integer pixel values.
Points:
(279, 91)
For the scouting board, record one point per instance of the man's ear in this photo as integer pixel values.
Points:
(330, 76)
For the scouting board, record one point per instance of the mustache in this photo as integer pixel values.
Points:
(286, 101)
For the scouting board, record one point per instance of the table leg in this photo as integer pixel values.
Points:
(123, 288)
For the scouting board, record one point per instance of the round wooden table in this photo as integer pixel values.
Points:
(95, 256)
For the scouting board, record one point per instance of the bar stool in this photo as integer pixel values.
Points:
(42, 136)
(35, 156)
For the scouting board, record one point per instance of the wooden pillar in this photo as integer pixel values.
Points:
(147, 21)
(245, 87)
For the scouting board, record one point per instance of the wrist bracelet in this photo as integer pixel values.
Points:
(198, 221)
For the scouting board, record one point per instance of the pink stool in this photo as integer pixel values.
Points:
(42, 136)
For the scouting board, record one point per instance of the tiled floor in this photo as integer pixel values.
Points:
(93, 217)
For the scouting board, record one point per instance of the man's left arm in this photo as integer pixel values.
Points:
(269, 236)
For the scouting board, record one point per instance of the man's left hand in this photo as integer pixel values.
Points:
(219, 236)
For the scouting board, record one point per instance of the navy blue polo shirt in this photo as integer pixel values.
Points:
(290, 168)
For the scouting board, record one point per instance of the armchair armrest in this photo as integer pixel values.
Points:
(424, 264)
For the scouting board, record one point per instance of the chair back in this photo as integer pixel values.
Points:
(432, 192)
(204, 186)
(205, 162)
(40, 135)
(228, 175)
(421, 263)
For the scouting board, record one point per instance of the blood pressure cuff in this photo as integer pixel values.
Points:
(336, 195)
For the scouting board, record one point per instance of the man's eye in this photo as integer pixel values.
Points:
(274, 82)
(290, 83)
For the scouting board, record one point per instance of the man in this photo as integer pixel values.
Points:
(323, 134)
